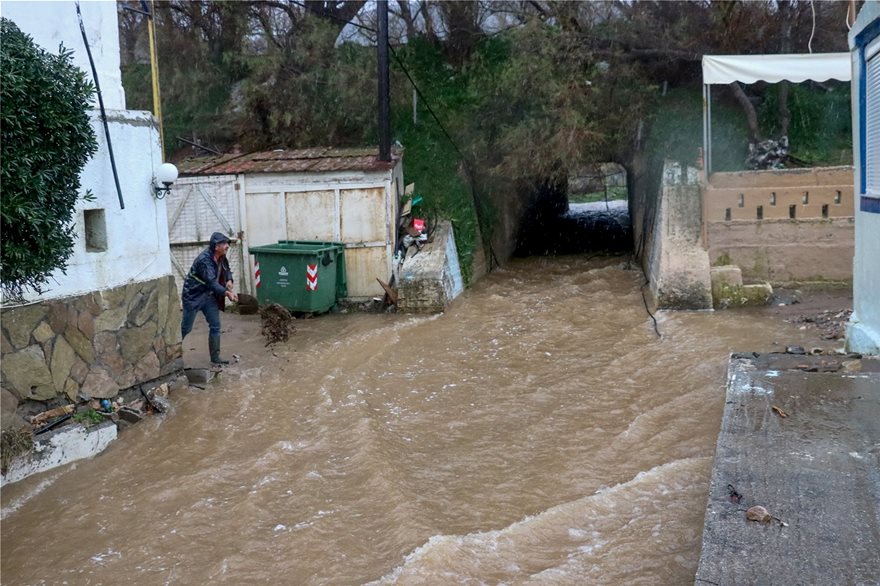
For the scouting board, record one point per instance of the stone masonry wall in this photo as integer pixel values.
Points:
(92, 345)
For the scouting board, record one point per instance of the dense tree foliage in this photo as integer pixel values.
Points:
(575, 77)
(527, 90)
(46, 141)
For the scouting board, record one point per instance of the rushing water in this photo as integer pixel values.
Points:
(539, 432)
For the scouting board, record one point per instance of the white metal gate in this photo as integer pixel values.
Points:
(198, 207)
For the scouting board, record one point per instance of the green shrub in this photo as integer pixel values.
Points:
(46, 141)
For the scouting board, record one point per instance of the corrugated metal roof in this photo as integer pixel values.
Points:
(313, 160)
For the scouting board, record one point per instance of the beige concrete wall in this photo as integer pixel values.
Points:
(737, 196)
(781, 225)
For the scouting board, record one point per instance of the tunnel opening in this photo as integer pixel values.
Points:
(587, 213)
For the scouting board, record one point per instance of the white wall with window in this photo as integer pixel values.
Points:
(114, 246)
(863, 333)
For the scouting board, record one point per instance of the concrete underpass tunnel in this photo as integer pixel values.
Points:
(587, 213)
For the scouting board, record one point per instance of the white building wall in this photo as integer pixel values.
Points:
(137, 236)
(863, 334)
(54, 22)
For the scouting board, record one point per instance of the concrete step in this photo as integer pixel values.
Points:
(728, 289)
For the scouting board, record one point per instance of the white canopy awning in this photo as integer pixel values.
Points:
(718, 69)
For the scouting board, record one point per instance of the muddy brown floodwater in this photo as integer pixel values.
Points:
(538, 432)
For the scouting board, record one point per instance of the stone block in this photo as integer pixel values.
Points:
(173, 364)
(79, 370)
(111, 319)
(48, 346)
(144, 308)
(20, 322)
(162, 390)
(9, 419)
(135, 342)
(726, 285)
(90, 304)
(27, 374)
(130, 415)
(757, 293)
(105, 343)
(159, 403)
(125, 378)
(99, 384)
(5, 344)
(43, 333)
(431, 280)
(147, 368)
(725, 296)
(61, 363)
(171, 334)
(61, 313)
(113, 361)
(178, 384)
(80, 344)
(112, 299)
(71, 389)
(198, 375)
(726, 275)
(162, 304)
(86, 324)
(133, 293)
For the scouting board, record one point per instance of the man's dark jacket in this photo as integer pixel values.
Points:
(207, 277)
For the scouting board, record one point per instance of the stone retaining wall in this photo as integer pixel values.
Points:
(92, 345)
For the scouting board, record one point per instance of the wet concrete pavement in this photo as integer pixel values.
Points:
(800, 436)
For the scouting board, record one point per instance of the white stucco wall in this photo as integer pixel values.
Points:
(55, 22)
(863, 334)
(137, 236)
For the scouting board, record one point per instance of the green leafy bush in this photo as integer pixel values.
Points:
(46, 141)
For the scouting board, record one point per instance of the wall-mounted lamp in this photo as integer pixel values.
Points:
(165, 176)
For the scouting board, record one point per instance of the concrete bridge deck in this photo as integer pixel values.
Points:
(800, 436)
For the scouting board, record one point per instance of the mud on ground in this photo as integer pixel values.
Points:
(821, 311)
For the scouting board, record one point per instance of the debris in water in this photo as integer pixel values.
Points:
(831, 323)
(779, 412)
(735, 497)
(277, 323)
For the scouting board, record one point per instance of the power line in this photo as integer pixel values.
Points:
(421, 95)
(461, 155)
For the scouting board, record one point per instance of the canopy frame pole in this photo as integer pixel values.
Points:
(707, 129)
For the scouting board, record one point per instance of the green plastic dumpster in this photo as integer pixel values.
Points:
(301, 275)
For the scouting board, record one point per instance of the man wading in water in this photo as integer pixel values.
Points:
(205, 289)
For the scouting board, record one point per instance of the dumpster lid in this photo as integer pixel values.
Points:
(297, 247)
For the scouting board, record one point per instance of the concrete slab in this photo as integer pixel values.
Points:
(59, 447)
(431, 279)
(817, 470)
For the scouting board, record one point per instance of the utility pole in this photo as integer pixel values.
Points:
(154, 66)
(384, 82)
